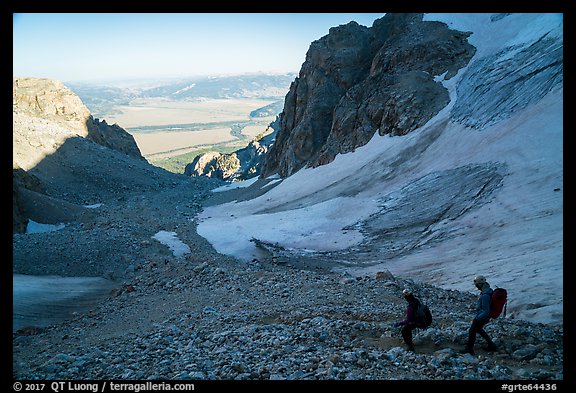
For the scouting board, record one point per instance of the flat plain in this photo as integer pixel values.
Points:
(162, 111)
(171, 133)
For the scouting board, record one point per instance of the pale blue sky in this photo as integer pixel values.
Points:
(93, 46)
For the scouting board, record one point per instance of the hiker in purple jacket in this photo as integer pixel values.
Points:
(409, 323)
(482, 317)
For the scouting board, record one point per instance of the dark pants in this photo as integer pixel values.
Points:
(407, 334)
(478, 328)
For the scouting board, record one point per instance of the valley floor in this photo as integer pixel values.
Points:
(171, 133)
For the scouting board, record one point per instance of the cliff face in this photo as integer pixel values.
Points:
(50, 100)
(358, 80)
(46, 113)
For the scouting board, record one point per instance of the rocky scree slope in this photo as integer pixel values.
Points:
(208, 317)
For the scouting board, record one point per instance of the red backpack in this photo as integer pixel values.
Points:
(498, 303)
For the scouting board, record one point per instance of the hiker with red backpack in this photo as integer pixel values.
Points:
(486, 308)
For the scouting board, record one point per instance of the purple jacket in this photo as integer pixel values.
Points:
(411, 312)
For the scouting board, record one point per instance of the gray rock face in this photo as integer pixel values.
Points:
(113, 137)
(357, 80)
(22, 180)
(333, 64)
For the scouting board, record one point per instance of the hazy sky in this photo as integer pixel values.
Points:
(93, 46)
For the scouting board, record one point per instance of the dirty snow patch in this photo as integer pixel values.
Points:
(236, 184)
(271, 183)
(36, 227)
(170, 239)
(94, 206)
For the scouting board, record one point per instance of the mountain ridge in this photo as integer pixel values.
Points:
(101, 96)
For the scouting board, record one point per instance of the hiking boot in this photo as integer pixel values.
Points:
(410, 348)
(491, 347)
(467, 350)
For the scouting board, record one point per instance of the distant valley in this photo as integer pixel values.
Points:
(173, 121)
